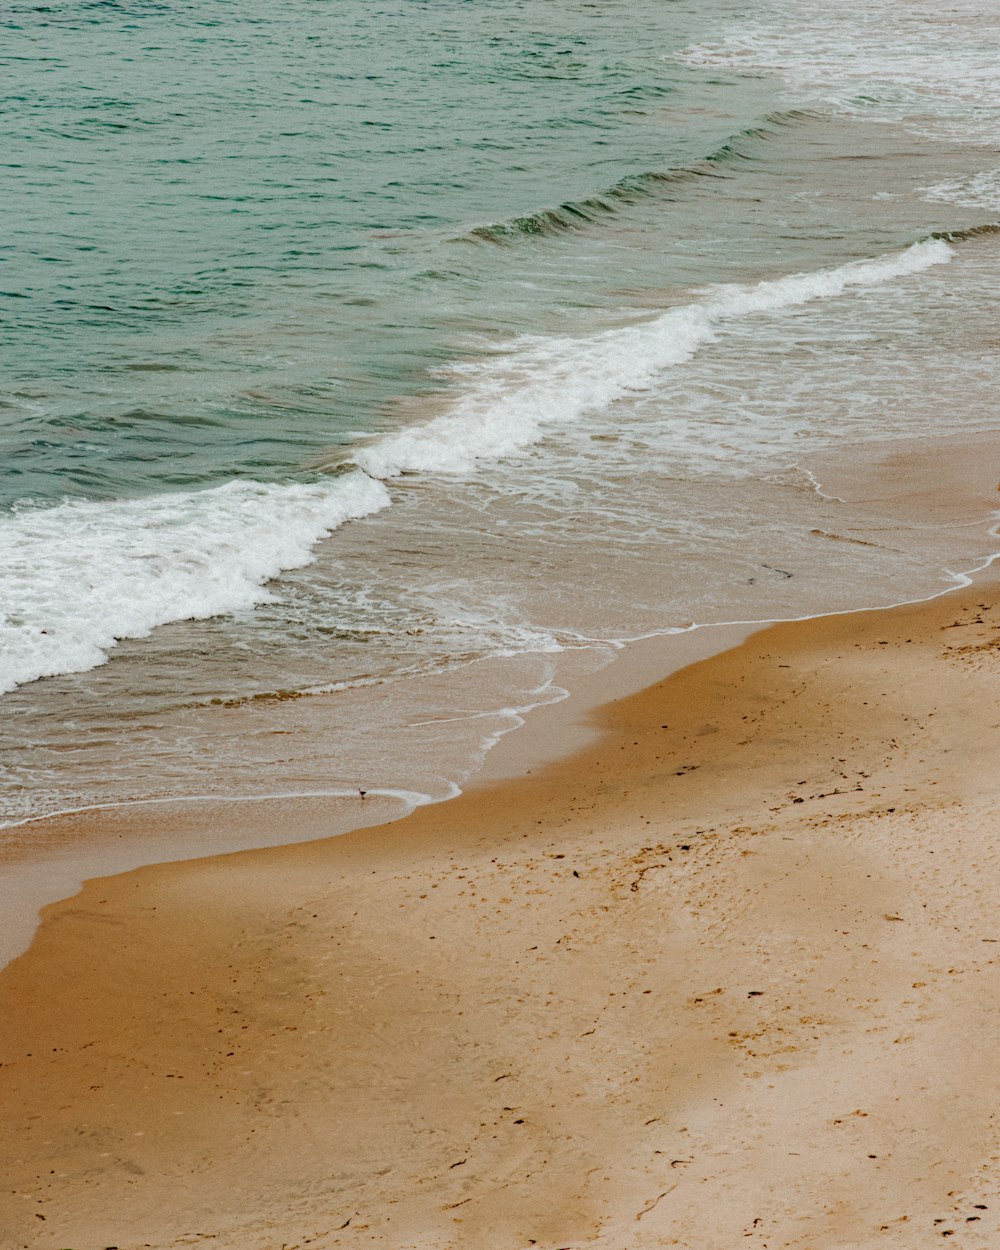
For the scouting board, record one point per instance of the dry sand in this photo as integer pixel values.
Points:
(727, 978)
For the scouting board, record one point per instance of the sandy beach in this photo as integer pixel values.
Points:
(500, 626)
(728, 976)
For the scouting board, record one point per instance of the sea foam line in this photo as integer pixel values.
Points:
(78, 577)
(508, 404)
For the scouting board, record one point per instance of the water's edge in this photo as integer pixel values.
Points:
(52, 856)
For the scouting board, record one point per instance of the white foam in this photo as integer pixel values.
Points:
(78, 577)
(935, 65)
(982, 190)
(508, 404)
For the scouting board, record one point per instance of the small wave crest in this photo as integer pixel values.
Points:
(968, 233)
(634, 188)
(86, 574)
(508, 404)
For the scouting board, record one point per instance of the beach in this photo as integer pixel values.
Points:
(498, 626)
(727, 975)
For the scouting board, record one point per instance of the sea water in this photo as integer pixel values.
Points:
(367, 367)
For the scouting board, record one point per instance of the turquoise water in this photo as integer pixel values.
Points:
(362, 366)
(231, 237)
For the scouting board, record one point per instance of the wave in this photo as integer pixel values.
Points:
(632, 189)
(969, 232)
(508, 404)
(85, 575)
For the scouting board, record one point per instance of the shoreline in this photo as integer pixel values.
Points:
(945, 482)
(904, 489)
(110, 839)
(672, 969)
(557, 730)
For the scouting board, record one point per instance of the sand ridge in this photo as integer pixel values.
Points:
(728, 977)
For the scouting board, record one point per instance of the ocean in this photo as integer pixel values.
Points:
(369, 370)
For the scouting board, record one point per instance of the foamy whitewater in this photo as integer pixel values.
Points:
(508, 406)
(148, 561)
(367, 376)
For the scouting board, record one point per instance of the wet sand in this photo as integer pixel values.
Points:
(727, 976)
